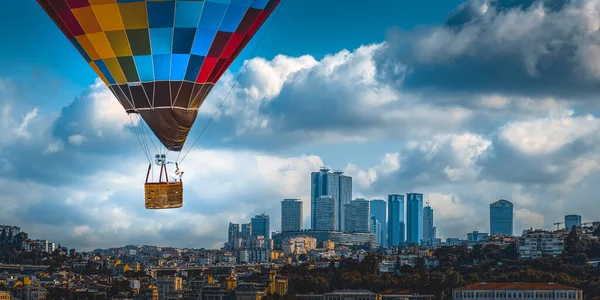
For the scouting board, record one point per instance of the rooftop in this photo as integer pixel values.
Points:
(483, 286)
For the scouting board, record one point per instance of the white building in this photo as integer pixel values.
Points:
(41, 245)
(534, 244)
(299, 244)
(530, 291)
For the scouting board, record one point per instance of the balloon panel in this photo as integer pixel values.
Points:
(160, 54)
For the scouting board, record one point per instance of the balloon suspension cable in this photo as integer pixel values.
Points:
(233, 85)
(147, 131)
(146, 152)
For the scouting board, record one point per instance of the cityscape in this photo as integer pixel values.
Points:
(299, 150)
(381, 238)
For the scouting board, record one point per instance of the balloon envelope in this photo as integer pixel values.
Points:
(160, 58)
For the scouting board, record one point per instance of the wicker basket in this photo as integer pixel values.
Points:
(164, 195)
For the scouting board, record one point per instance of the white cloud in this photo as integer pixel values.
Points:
(22, 129)
(547, 135)
(76, 139)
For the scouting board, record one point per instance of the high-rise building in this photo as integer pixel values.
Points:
(378, 210)
(325, 213)
(572, 220)
(428, 229)
(246, 231)
(233, 235)
(395, 220)
(291, 215)
(357, 216)
(376, 229)
(261, 226)
(501, 218)
(414, 218)
(334, 184)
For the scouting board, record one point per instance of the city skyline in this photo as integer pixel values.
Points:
(410, 100)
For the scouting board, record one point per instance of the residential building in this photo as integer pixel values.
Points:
(379, 211)
(572, 220)
(414, 218)
(428, 229)
(395, 220)
(516, 290)
(325, 213)
(501, 218)
(291, 215)
(4, 295)
(261, 225)
(41, 245)
(357, 216)
(299, 244)
(534, 244)
(334, 184)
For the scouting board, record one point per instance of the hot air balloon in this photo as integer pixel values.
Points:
(160, 59)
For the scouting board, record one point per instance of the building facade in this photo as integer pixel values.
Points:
(299, 244)
(357, 216)
(261, 225)
(414, 218)
(501, 218)
(325, 213)
(476, 236)
(572, 220)
(291, 215)
(334, 184)
(533, 291)
(395, 220)
(428, 229)
(376, 229)
(379, 211)
(534, 244)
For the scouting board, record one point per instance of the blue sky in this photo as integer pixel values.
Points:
(466, 102)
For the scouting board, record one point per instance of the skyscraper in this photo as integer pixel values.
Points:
(572, 220)
(233, 234)
(501, 217)
(261, 226)
(336, 185)
(395, 220)
(378, 210)
(291, 215)
(325, 213)
(428, 232)
(357, 216)
(414, 218)
(375, 228)
(246, 231)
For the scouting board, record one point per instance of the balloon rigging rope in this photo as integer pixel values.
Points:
(137, 135)
(233, 85)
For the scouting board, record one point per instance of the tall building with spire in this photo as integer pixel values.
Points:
(428, 229)
(334, 184)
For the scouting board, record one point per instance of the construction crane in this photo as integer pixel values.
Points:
(557, 225)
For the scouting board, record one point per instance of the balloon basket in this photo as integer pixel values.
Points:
(163, 194)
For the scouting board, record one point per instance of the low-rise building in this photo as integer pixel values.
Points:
(534, 244)
(502, 290)
(299, 244)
